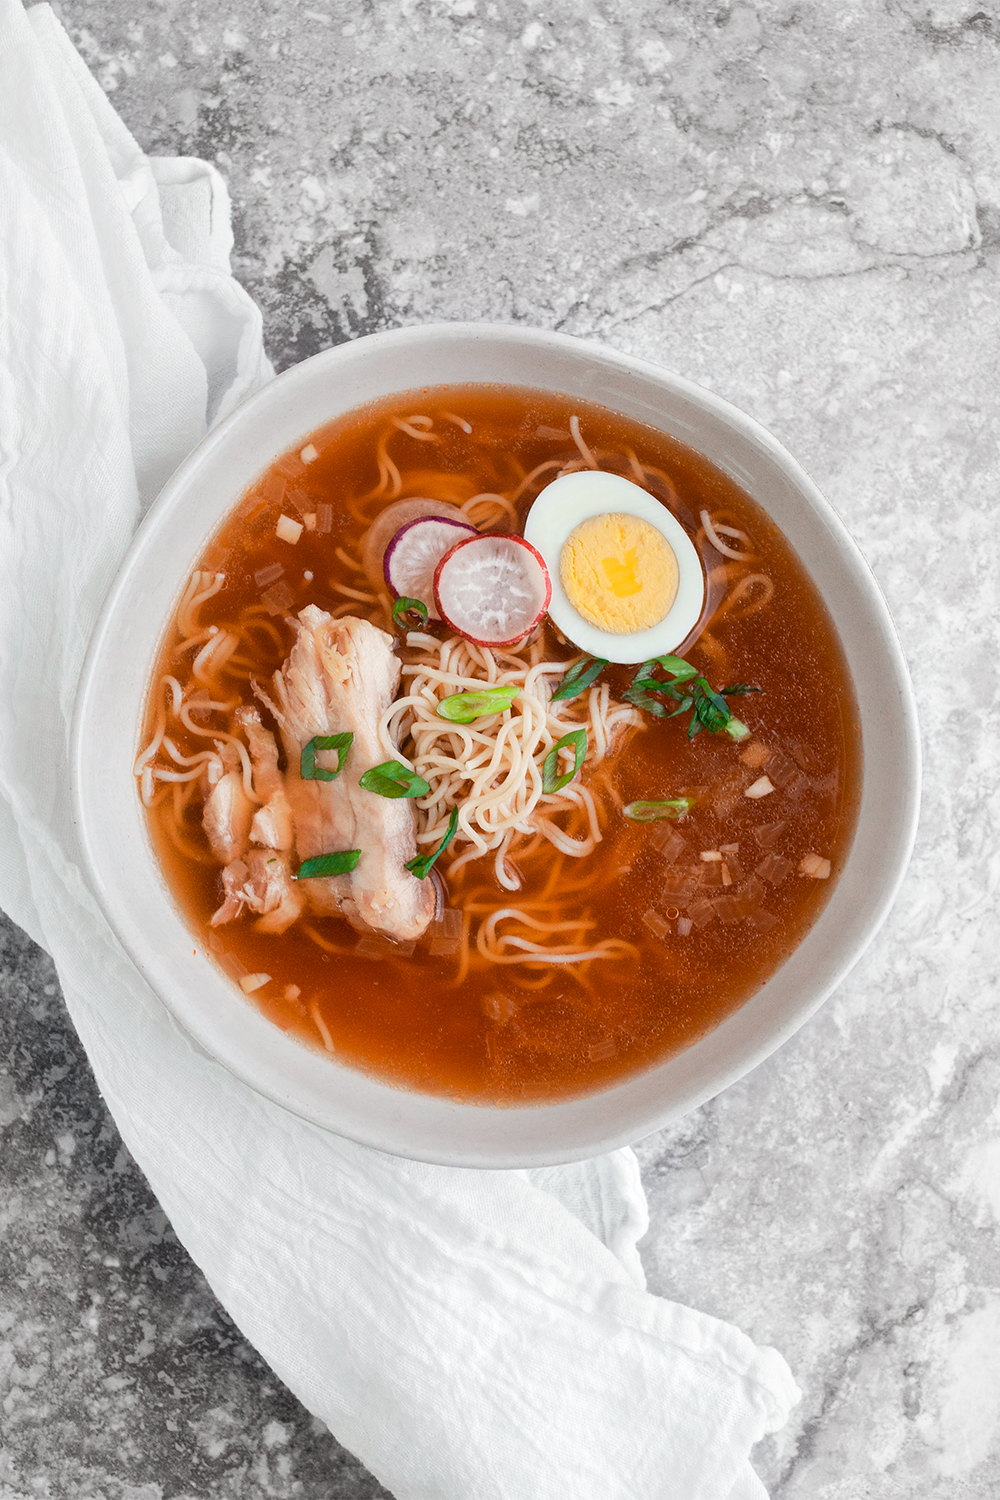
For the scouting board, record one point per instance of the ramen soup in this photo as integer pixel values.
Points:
(500, 746)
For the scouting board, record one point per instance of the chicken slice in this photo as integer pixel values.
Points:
(233, 878)
(272, 822)
(226, 818)
(267, 779)
(277, 896)
(264, 883)
(341, 676)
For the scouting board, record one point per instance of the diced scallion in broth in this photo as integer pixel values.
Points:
(692, 693)
(649, 812)
(579, 678)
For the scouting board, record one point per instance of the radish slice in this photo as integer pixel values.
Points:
(387, 523)
(412, 556)
(492, 589)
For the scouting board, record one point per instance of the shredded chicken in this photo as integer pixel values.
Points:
(227, 816)
(341, 676)
(233, 879)
(267, 781)
(263, 882)
(272, 822)
(280, 899)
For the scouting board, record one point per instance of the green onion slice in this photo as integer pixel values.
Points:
(638, 693)
(710, 710)
(650, 812)
(392, 779)
(691, 693)
(421, 864)
(462, 708)
(309, 770)
(579, 677)
(328, 864)
(404, 606)
(679, 669)
(576, 741)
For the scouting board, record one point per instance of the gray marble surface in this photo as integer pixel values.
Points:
(797, 205)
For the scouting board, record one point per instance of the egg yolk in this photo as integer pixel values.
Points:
(619, 573)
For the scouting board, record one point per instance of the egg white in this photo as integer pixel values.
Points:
(573, 498)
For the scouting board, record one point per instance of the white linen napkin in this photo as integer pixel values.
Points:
(469, 1335)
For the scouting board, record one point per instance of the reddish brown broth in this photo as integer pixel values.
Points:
(490, 1040)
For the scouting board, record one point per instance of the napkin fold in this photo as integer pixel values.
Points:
(469, 1335)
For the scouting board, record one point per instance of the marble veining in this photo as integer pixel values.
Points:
(799, 207)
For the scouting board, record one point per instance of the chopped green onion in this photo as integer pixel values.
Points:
(579, 677)
(649, 812)
(736, 728)
(420, 865)
(638, 693)
(708, 708)
(576, 741)
(392, 779)
(404, 606)
(462, 708)
(309, 770)
(679, 669)
(328, 864)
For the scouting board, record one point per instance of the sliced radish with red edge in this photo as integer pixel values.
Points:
(388, 522)
(413, 554)
(493, 590)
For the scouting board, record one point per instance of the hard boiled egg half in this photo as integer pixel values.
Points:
(627, 581)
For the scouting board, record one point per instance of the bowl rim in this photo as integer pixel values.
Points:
(750, 1053)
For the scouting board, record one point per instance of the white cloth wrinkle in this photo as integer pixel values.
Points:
(469, 1335)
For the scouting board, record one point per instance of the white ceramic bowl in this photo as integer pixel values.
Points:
(139, 906)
